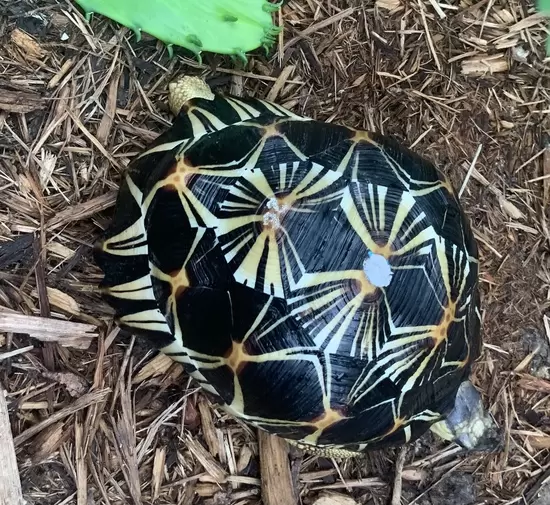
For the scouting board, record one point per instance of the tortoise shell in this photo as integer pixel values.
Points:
(320, 280)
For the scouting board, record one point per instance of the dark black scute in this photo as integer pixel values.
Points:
(225, 146)
(373, 168)
(313, 137)
(286, 390)
(422, 272)
(221, 379)
(120, 269)
(148, 170)
(415, 165)
(205, 319)
(166, 218)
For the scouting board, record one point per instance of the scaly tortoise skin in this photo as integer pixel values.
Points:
(321, 281)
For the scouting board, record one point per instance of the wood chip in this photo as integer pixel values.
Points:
(81, 466)
(159, 365)
(280, 82)
(17, 250)
(75, 385)
(482, 65)
(389, 5)
(329, 498)
(158, 471)
(59, 250)
(208, 428)
(546, 172)
(10, 482)
(20, 102)
(398, 479)
(82, 210)
(81, 403)
(125, 435)
(245, 456)
(48, 441)
(277, 484)
(28, 45)
(508, 207)
(104, 129)
(539, 442)
(212, 467)
(56, 79)
(46, 329)
(61, 300)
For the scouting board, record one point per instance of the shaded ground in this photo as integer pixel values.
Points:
(78, 101)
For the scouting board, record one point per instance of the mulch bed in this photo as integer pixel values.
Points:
(96, 417)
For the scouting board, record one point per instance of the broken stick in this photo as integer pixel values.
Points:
(10, 482)
(277, 487)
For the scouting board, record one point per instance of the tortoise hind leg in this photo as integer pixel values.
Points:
(469, 424)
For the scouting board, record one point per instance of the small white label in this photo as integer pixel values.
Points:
(378, 270)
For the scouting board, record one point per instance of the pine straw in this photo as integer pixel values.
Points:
(107, 422)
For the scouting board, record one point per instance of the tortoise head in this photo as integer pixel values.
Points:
(185, 88)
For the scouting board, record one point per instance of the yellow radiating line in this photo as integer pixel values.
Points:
(258, 319)
(282, 175)
(273, 268)
(363, 203)
(231, 250)
(427, 191)
(357, 334)
(366, 342)
(336, 339)
(240, 106)
(404, 365)
(354, 395)
(397, 170)
(382, 207)
(295, 166)
(307, 296)
(138, 289)
(132, 232)
(309, 280)
(215, 121)
(238, 206)
(424, 236)
(168, 146)
(318, 303)
(443, 264)
(371, 201)
(323, 183)
(229, 224)
(258, 180)
(356, 222)
(269, 329)
(197, 125)
(405, 205)
(248, 269)
(416, 220)
(238, 192)
(402, 342)
(345, 163)
(312, 173)
(294, 149)
(237, 405)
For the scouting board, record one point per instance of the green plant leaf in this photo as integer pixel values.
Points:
(221, 26)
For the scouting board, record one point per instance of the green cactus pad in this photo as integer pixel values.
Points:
(220, 26)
